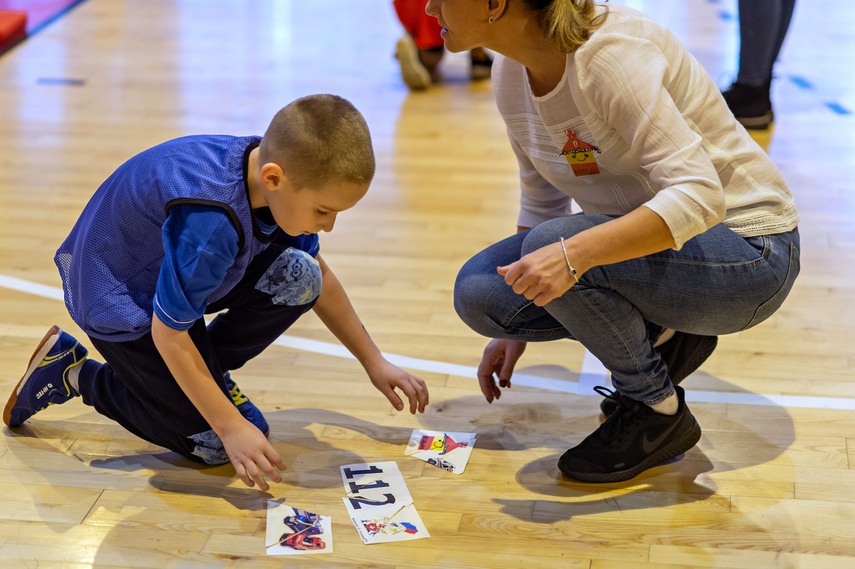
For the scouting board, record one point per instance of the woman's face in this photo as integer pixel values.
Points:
(461, 20)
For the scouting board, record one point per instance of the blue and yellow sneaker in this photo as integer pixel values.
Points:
(46, 379)
(246, 407)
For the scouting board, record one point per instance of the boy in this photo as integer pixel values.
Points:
(198, 225)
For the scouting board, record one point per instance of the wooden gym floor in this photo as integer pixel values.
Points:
(771, 483)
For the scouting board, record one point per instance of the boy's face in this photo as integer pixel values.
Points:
(312, 210)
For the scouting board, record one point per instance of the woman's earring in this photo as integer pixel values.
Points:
(491, 20)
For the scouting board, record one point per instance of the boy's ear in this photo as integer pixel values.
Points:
(272, 176)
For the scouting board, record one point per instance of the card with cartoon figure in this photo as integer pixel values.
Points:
(292, 531)
(449, 451)
(379, 504)
(403, 524)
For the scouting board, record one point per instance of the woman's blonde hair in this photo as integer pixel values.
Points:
(567, 23)
(319, 139)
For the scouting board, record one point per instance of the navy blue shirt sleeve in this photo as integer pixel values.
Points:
(200, 244)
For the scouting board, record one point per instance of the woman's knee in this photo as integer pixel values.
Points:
(552, 231)
(470, 294)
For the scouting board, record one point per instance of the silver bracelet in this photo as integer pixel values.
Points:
(570, 268)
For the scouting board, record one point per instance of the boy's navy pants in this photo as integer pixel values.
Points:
(136, 389)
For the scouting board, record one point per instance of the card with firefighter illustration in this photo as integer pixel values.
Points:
(379, 503)
(448, 451)
(293, 531)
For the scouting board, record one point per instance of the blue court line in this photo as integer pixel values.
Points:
(801, 82)
(61, 81)
(55, 17)
(838, 108)
(592, 372)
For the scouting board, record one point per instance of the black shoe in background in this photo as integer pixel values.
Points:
(632, 439)
(684, 353)
(751, 106)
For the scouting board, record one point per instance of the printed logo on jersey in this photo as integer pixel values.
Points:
(580, 155)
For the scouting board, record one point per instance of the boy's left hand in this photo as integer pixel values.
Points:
(387, 377)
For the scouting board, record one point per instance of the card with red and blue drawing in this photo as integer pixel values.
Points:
(445, 450)
(379, 503)
(294, 531)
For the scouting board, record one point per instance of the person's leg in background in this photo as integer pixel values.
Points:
(763, 25)
(421, 48)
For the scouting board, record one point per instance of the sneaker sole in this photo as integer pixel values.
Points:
(415, 75)
(691, 438)
(757, 123)
(44, 347)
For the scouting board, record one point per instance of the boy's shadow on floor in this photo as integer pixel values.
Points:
(312, 463)
(537, 422)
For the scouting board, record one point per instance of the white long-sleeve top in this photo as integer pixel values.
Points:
(663, 137)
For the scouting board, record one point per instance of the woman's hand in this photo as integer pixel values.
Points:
(499, 359)
(541, 276)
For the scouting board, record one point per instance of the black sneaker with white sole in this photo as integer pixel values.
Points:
(683, 354)
(631, 440)
(751, 105)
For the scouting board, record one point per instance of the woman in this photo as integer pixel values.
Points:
(688, 230)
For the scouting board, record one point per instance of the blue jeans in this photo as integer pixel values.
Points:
(718, 283)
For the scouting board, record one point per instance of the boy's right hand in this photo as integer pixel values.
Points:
(252, 455)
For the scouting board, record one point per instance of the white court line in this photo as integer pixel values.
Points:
(592, 373)
(590, 378)
(31, 288)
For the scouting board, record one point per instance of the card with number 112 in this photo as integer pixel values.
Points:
(379, 503)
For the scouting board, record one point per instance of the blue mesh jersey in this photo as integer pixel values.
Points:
(111, 260)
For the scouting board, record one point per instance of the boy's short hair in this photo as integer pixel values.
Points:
(319, 139)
